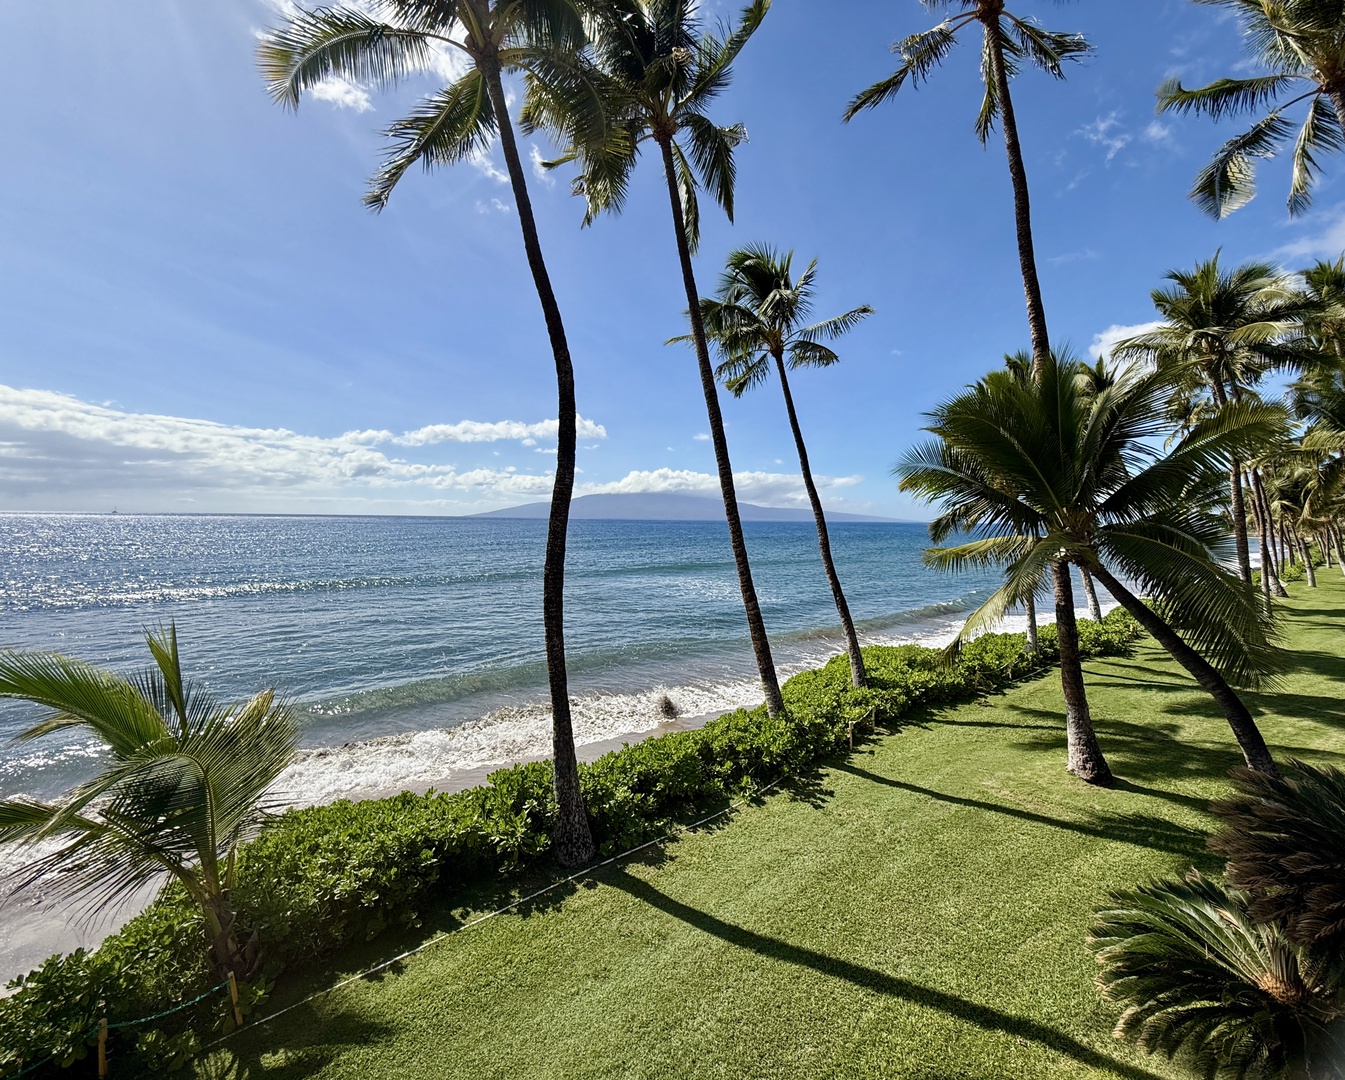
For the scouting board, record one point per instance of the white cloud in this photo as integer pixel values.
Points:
(1104, 342)
(64, 451)
(343, 93)
(539, 169)
(751, 486)
(1324, 239)
(1087, 255)
(1159, 133)
(1105, 132)
(473, 431)
(484, 162)
(701, 436)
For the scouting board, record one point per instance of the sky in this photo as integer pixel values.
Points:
(201, 316)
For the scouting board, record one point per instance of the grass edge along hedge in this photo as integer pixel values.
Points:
(320, 878)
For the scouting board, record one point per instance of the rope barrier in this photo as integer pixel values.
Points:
(442, 935)
(126, 1024)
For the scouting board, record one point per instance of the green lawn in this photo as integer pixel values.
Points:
(917, 910)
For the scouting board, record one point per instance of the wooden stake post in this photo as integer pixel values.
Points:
(102, 1049)
(233, 993)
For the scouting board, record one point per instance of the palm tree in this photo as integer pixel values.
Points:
(449, 126)
(186, 783)
(1284, 838)
(1053, 469)
(1301, 44)
(652, 73)
(1007, 42)
(1222, 331)
(1200, 979)
(755, 322)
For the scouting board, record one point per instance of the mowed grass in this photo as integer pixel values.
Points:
(916, 909)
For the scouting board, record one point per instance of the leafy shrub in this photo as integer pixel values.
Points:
(320, 878)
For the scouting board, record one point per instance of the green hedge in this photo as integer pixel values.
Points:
(322, 878)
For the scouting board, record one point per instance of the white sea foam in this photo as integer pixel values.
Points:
(433, 757)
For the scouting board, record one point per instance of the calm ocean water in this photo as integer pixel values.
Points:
(414, 645)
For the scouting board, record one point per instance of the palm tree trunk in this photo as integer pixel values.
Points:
(1325, 545)
(1094, 608)
(1030, 609)
(1337, 97)
(1022, 208)
(1340, 546)
(1085, 758)
(858, 677)
(224, 948)
(1308, 568)
(1268, 535)
(573, 839)
(1267, 561)
(1239, 511)
(756, 626)
(1254, 749)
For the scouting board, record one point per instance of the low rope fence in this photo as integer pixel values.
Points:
(103, 1026)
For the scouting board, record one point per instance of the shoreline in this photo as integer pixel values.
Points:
(32, 930)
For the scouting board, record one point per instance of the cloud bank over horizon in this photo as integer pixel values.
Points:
(60, 453)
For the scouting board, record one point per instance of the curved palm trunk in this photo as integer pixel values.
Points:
(756, 626)
(1084, 754)
(573, 838)
(1334, 530)
(1306, 550)
(1263, 536)
(1030, 610)
(1094, 608)
(1022, 208)
(858, 677)
(1254, 749)
(1239, 510)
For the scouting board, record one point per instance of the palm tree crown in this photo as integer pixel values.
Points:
(649, 76)
(456, 123)
(1301, 44)
(756, 321)
(1007, 42)
(185, 783)
(1067, 465)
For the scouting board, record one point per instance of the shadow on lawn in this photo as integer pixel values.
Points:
(1142, 830)
(982, 1016)
(308, 1047)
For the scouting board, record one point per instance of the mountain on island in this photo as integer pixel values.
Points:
(654, 507)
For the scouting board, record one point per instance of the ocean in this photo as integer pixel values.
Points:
(413, 646)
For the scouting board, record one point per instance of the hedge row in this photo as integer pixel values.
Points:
(318, 879)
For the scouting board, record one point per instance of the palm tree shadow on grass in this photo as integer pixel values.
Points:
(1142, 830)
(982, 1016)
(308, 1047)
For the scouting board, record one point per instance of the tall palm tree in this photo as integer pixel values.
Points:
(449, 126)
(1053, 469)
(652, 72)
(1301, 44)
(757, 320)
(185, 783)
(1222, 331)
(1200, 979)
(1007, 42)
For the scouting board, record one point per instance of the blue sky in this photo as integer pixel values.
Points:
(201, 315)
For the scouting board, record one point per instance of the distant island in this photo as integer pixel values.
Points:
(667, 508)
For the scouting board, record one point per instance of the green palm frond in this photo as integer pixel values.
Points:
(314, 46)
(1320, 132)
(1201, 981)
(1284, 839)
(1228, 182)
(188, 778)
(447, 127)
(920, 54)
(1223, 97)
(711, 149)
